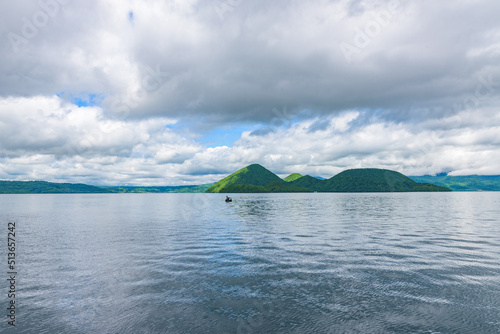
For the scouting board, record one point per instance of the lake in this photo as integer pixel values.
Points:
(265, 263)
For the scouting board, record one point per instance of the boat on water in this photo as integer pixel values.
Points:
(228, 199)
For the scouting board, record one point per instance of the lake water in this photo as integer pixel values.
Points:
(265, 263)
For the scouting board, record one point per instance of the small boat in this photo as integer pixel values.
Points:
(228, 199)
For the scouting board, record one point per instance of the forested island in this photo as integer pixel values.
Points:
(257, 179)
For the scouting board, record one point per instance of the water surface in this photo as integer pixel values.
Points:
(265, 263)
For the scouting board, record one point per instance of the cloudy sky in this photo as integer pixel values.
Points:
(171, 92)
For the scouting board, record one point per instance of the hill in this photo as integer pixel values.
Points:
(159, 189)
(375, 180)
(256, 178)
(292, 177)
(42, 187)
(309, 182)
(254, 175)
(273, 187)
(463, 183)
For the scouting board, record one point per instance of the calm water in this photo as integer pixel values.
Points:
(279, 263)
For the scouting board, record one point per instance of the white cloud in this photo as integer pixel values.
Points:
(260, 56)
(49, 139)
(378, 144)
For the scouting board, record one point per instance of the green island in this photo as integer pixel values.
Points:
(257, 179)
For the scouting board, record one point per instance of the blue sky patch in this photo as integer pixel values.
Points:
(224, 136)
(91, 100)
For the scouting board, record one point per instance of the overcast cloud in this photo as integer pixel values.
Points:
(183, 92)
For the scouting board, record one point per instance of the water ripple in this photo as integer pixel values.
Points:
(279, 263)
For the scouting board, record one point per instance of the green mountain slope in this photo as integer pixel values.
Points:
(160, 189)
(308, 181)
(374, 180)
(273, 187)
(256, 178)
(42, 187)
(282, 187)
(243, 188)
(368, 180)
(463, 183)
(255, 175)
(292, 177)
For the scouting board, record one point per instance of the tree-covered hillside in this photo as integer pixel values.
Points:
(273, 187)
(309, 182)
(374, 180)
(255, 178)
(463, 183)
(292, 177)
(255, 175)
(42, 187)
(161, 189)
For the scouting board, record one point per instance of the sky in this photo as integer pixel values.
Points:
(174, 92)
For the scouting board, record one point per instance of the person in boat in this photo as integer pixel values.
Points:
(228, 199)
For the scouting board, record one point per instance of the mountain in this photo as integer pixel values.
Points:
(283, 187)
(159, 189)
(374, 180)
(463, 183)
(273, 187)
(292, 177)
(42, 187)
(256, 178)
(309, 182)
(254, 175)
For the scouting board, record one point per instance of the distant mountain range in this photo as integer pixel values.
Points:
(257, 179)
(42, 187)
(463, 183)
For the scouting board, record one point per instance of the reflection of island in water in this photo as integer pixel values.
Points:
(257, 179)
